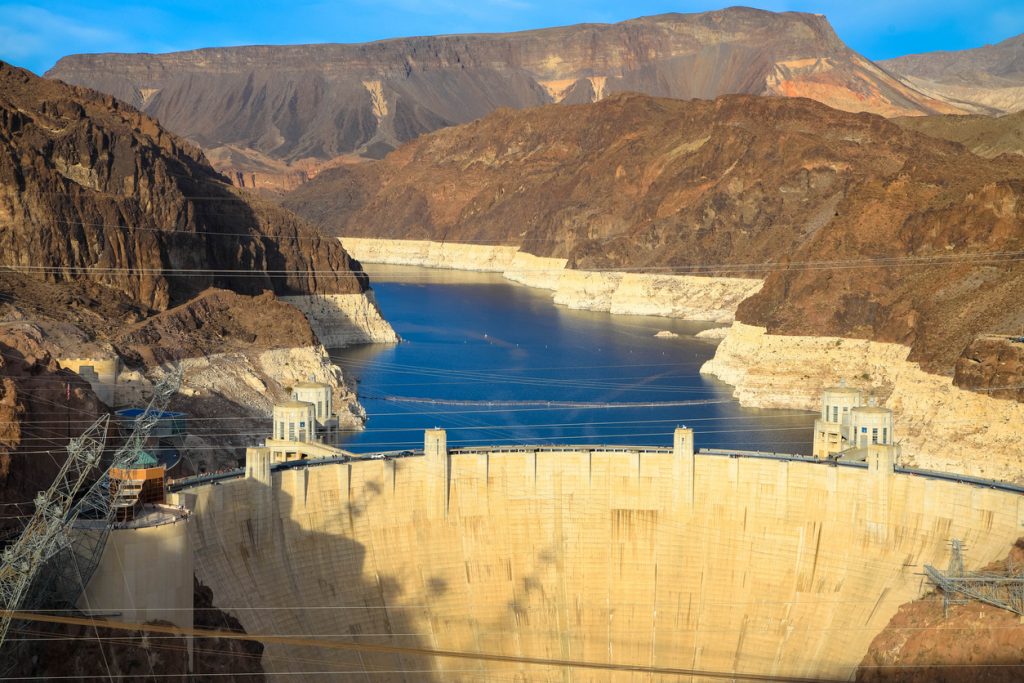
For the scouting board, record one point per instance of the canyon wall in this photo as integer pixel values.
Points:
(344, 319)
(649, 556)
(939, 426)
(676, 296)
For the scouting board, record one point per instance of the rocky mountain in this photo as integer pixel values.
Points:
(862, 228)
(305, 103)
(987, 136)
(119, 241)
(41, 407)
(92, 188)
(986, 80)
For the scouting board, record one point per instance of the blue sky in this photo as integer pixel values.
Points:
(36, 34)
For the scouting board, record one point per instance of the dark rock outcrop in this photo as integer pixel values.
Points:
(303, 102)
(216, 321)
(862, 228)
(91, 188)
(993, 364)
(41, 407)
(84, 653)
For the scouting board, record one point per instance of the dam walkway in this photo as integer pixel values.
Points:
(238, 473)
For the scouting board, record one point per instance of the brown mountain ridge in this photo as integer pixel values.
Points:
(303, 103)
(90, 187)
(763, 186)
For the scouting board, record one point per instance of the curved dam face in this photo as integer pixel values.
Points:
(638, 556)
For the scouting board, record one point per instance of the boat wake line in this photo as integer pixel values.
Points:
(544, 404)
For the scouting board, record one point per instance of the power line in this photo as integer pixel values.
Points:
(977, 258)
(375, 648)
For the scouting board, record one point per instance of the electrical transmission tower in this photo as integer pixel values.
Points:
(50, 565)
(46, 533)
(1001, 589)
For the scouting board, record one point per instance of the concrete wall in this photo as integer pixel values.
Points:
(145, 574)
(100, 373)
(656, 558)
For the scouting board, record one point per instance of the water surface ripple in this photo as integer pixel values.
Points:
(494, 362)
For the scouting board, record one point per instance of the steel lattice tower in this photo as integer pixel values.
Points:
(58, 552)
(1001, 589)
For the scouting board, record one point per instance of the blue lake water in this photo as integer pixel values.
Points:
(483, 357)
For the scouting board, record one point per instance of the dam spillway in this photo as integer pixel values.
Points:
(625, 555)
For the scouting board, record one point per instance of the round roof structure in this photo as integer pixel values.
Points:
(294, 404)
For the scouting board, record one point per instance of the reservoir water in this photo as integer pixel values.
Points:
(493, 362)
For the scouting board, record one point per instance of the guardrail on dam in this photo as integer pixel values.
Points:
(754, 563)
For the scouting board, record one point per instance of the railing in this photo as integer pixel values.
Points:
(199, 480)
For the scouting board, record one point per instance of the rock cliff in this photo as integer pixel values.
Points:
(859, 227)
(676, 296)
(92, 188)
(301, 102)
(41, 407)
(939, 425)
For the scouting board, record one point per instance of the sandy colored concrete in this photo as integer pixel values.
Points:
(653, 557)
(938, 425)
(102, 376)
(675, 296)
(145, 574)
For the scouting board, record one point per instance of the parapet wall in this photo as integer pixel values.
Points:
(676, 296)
(641, 556)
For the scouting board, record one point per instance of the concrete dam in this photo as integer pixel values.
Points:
(654, 557)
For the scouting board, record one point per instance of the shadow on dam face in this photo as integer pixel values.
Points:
(765, 567)
(279, 577)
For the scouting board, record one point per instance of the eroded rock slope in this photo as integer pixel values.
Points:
(92, 188)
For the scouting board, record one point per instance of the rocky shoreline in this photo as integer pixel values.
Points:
(938, 425)
(344, 319)
(713, 299)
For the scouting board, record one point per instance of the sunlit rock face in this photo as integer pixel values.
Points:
(302, 102)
